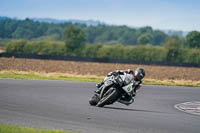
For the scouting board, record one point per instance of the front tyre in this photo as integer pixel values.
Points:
(109, 97)
(94, 100)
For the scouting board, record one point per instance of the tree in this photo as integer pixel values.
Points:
(173, 46)
(146, 29)
(193, 39)
(158, 37)
(74, 38)
(128, 37)
(144, 39)
(16, 46)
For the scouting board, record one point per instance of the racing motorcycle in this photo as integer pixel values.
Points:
(111, 91)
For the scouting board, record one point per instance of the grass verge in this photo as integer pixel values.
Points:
(88, 78)
(17, 129)
(48, 76)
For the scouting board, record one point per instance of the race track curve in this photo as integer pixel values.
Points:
(63, 105)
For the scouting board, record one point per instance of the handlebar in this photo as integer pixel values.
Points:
(118, 80)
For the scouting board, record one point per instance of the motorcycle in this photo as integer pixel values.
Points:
(111, 91)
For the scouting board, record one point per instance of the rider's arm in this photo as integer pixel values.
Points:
(115, 73)
(120, 72)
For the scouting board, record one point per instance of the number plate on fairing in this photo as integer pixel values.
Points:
(128, 88)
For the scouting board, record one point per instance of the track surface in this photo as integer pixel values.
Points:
(64, 105)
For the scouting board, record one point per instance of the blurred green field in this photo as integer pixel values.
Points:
(18, 129)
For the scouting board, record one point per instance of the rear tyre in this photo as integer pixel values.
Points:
(109, 97)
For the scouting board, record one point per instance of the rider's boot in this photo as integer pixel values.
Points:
(126, 102)
(133, 94)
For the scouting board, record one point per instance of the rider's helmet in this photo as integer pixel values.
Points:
(139, 74)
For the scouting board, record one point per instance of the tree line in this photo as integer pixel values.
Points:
(143, 44)
(147, 53)
(107, 34)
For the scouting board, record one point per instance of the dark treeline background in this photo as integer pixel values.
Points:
(100, 41)
(29, 29)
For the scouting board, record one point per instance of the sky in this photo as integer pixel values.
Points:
(160, 14)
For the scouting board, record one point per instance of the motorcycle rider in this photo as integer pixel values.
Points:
(136, 76)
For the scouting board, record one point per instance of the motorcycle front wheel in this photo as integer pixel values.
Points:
(94, 100)
(109, 97)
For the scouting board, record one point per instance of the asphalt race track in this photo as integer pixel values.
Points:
(64, 105)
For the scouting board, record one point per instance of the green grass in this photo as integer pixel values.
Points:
(173, 83)
(17, 129)
(40, 76)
